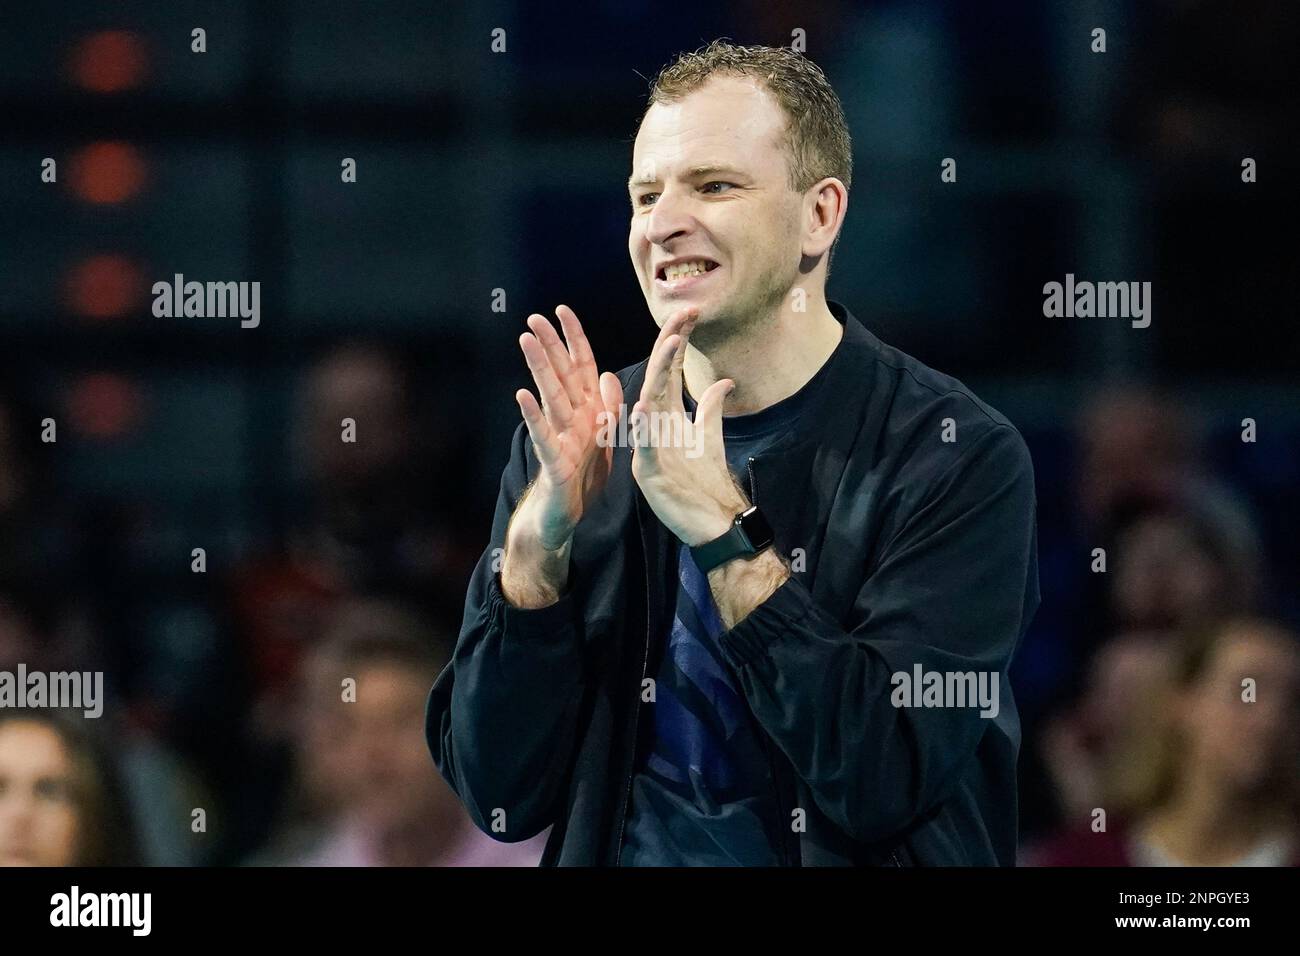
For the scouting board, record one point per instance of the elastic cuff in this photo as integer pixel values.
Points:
(544, 624)
(785, 610)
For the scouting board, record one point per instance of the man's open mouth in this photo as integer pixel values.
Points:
(685, 270)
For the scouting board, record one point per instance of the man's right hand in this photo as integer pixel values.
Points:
(574, 466)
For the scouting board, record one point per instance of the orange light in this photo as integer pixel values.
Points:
(107, 172)
(109, 61)
(103, 405)
(104, 286)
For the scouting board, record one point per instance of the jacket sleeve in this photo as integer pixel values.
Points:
(953, 592)
(501, 717)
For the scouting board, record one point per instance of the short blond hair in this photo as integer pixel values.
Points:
(817, 141)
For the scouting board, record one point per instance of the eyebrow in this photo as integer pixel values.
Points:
(694, 172)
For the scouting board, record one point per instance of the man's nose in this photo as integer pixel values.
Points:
(669, 217)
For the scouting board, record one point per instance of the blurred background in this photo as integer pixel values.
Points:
(479, 170)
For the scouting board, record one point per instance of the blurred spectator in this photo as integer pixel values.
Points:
(153, 783)
(1135, 443)
(375, 519)
(1132, 445)
(1181, 561)
(60, 803)
(366, 792)
(1209, 776)
(370, 521)
(1081, 743)
(1179, 543)
(1180, 548)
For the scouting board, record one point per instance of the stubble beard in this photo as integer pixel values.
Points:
(742, 316)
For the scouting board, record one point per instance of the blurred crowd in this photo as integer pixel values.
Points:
(1159, 685)
(278, 716)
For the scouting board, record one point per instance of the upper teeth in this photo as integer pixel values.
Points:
(685, 269)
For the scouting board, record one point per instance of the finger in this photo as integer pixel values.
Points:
(554, 399)
(539, 429)
(579, 348)
(682, 318)
(675, 372)
(561, 362)
(639, 426)
(658, 370)
(671, 325)
(611, 393)
(708, 414)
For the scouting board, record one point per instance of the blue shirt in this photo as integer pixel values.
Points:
(703, 793)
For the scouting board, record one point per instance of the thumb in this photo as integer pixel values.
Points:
(708, 413)
(611, 393)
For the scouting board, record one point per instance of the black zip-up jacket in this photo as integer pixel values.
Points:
(905, 506)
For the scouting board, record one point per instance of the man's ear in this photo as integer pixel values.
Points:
(825, 206)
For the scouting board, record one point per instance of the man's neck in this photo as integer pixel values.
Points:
(768, 362)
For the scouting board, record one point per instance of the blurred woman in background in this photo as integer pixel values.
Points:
(60, 803)
(1211, 780)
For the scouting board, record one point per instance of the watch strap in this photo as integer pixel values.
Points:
(721, 549)
(748, 535)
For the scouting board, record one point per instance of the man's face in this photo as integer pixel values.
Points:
(397, 783)
(1250, 746)
(710, 184)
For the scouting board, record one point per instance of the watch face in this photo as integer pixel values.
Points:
(755, 528)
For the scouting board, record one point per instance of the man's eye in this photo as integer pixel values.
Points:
(641, 200)
(708, 186)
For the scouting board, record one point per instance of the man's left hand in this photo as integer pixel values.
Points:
(680, 465)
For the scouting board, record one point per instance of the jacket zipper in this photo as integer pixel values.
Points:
(636, 713)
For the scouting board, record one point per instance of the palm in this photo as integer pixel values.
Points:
(566, 426)
(581, 465)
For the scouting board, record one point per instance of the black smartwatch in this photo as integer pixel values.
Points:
(750, 533)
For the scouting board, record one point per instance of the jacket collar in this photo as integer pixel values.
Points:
(843, 397)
